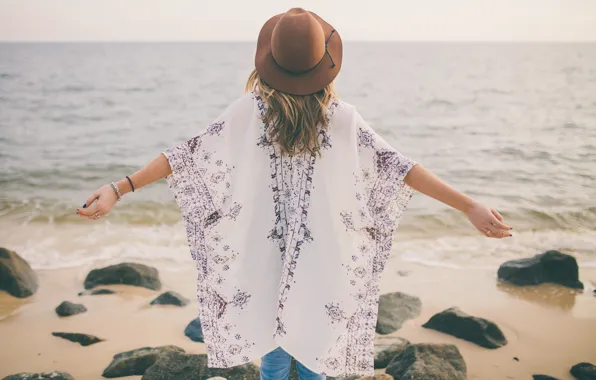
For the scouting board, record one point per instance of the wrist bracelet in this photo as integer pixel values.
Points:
(116, 190)
(131, 185)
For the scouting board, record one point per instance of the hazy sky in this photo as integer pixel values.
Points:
(217, 20)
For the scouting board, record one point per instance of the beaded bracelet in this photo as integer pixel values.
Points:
(116, 190)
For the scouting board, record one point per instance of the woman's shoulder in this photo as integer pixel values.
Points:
(242, 106)
(344, 112)
(245, 101)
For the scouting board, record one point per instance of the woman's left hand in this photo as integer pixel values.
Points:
(106, 199)
(488, 221)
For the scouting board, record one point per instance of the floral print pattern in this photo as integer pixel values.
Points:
(385, 198)
(197, 189)
(258, 226)
(292, 178)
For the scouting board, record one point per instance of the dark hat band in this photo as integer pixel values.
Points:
(301, 72)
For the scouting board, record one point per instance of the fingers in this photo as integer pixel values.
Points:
(95, 216)
(497, 222)
(496, 214)
(93, 212)
(494, 232)
(486, 231)
(88, 211)
(96, 211)
(490, 223)
(91, 198)
(98, 204)
(88, 208)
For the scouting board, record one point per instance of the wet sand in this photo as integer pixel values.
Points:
(549, 328)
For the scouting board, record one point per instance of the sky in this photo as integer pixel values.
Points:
(241, 20)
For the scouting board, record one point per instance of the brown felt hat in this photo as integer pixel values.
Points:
(298, 52)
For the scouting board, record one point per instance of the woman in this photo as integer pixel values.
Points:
(290, 201)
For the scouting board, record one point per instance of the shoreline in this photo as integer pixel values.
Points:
(549, 328)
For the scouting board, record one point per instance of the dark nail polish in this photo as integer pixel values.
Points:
(85, 205)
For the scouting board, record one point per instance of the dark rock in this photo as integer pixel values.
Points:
(125, 274)
(388, 347)
(395, 309)
(194, 331)
(455, 322)
(543, 377)
(54, 375)
(97, 292)
(16, 276)
(82, 339)
(551, 266)
(180, 366)
(380, 376)
(584, 371)
(170, 298)
(428, 361)
(516, 358)
(66, 309)
(136, 362)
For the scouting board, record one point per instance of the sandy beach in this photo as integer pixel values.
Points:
(549, 328)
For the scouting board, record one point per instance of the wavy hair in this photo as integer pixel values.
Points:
(293, 119)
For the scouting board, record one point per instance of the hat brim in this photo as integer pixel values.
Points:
(298, 84)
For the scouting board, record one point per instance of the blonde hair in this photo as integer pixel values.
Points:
(293, 119)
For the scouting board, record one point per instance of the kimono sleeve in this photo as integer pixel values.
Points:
(384, 170)
(186, 164)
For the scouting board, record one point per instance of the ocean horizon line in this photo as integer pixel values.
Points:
(562, 42)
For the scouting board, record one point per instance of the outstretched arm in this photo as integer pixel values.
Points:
(486, 220)
(106, 198)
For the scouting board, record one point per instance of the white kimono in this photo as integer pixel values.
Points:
(289, 250)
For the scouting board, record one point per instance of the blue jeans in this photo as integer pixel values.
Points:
(276, 366)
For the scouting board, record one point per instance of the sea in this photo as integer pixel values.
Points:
(511, 124)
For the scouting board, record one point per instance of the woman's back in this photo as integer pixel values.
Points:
(275, 234)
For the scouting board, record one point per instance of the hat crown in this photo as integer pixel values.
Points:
(298, 52)
(298, 41)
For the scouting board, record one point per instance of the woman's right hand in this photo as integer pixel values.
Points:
(488, 221)
(106, 199)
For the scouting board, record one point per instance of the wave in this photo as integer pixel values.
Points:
(70, 177)
(87, 243)
(492, 91)
(475, 251)
(135, 89)
(417, 221)
(50, 235)
(51, 246)
(77, 89)
(40, 211)
(438, 103)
